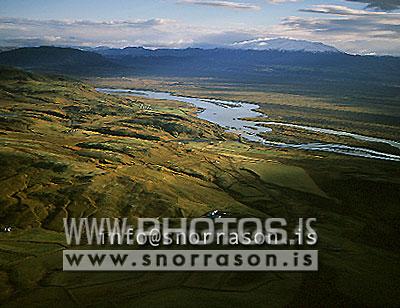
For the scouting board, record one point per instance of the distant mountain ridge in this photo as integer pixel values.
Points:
(251, 63)
(285, 44)
(279, 44)
(58, 60)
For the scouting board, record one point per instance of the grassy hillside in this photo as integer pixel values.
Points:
(69, 151)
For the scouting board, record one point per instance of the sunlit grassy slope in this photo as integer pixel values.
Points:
(69, 151)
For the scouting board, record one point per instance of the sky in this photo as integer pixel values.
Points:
(354, 26)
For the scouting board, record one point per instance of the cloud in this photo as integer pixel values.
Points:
(347, 28)
(141, 23)
(153, 33)
(338, 10)
(355, 31)
(384, 5)
(347, 19)
(281, 1)
(33, 32)
(223, 38)
(367, 28)
(222, 4)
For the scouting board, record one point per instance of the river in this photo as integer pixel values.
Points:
(229, 115)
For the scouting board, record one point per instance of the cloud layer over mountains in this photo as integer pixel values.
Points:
(373, 30)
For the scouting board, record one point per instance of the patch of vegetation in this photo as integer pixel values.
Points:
(164, 124)
(124, 133)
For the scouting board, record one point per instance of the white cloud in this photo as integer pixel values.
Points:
(361, 22)
(281, 1)
(32, 32)
(222, 4)
(140, 23)
(342, 10)
(356, 31)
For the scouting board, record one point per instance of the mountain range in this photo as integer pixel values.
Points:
(284, 44)
(292, 64)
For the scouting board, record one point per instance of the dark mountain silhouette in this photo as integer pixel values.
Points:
(58, 60)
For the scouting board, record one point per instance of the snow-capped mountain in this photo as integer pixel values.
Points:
(284, 44)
